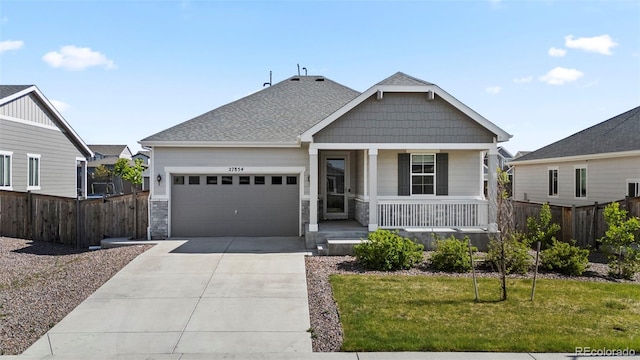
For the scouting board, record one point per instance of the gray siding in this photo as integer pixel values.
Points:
(57, 162)
(465, 174)
(226, 157)
(404, 118)
(606, 181)
(28, 108)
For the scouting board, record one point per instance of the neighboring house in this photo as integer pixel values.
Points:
(504, 159)
(39, 151)
(145, 156)
(404, 154)
(107, 156)
(599, 164)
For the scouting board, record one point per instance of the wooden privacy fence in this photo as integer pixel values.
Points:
(585, 224)
(79, 223)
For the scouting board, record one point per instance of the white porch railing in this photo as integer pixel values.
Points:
(407, 213)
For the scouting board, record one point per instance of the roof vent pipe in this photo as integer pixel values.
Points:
(305, 71)
(298, 69)
(270, 80)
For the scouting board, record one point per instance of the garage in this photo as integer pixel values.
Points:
(234, 205)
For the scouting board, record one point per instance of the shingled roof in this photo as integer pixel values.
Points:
(403, 79)
(8, 90)
(620, 133)
(277, 114)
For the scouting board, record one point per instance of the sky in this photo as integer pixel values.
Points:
(119, 71)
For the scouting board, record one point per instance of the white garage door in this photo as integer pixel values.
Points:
(234, 205)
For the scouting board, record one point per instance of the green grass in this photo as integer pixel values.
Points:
(424, 313)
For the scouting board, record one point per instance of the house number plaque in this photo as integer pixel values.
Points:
(235, 168)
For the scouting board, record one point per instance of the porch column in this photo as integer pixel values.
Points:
(492, 188)
(313, 190)
(373, 189)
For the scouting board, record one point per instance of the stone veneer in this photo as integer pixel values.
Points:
(304, 208)
(159, 226)
(362, 212)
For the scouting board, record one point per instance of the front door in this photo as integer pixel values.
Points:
(336, 188)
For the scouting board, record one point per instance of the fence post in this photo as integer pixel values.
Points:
(573, 222)
(595, 224)
(30, 223)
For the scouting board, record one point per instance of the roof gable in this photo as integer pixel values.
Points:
(276, 114)
(402, 83)
(621, 133)
(110, 150)
(9, 93)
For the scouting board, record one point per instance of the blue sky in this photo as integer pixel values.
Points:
(122, 70)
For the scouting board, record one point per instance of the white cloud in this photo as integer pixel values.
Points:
(60, 106)
(599, 44)
(523, 80)
(560, 75)
(76, 58)
(555, 52)
(10, 45)
(493, 90)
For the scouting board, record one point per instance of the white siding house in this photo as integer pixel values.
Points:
(599, 164)
(402, 154)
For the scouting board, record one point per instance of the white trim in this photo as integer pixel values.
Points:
(586, 181)
(66, 128)
(556, 168)
(217, 144)
(10, 155)
(84, 175)
(578, 158)
(307, 136)
(30, 123)
(39, 157)
(402, 146)
(411, 173)
(430, 197)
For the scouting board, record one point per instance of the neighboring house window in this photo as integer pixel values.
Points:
(634, 188)
(423, 174)
(553, 182)
(34, 172)
(581, 182)
(5, 170)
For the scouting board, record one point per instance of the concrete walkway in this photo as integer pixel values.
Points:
(195, 296)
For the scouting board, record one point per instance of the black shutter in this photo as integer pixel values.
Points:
(404, 173)
(442, 174)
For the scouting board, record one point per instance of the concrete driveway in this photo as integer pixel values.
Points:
(194, 296)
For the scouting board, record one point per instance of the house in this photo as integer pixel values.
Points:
(107, 156)
(598, 164)
(39, 151)
(145, 157)
(307, 152)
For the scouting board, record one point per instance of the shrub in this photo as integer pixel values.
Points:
(387, 251)
(621, 237)
(452, 255)
(565, 258)
(516, 254)
(541, 228)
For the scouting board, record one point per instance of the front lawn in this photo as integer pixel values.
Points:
(427, 313)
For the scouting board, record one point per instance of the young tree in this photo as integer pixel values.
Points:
(622, 237)
(132, 174)
(101, 173)
(505, 227)
(541, 228)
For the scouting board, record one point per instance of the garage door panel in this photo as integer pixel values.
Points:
(259, 208)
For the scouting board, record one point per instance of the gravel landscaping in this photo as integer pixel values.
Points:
(41, 282)
(325, 320)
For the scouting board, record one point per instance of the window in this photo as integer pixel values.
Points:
(258, 180)
(194, 180)
(423, 174)
(178, 180)
(212, 180)
(34, 172)
(634, 188)
(245, 180)
(276, 180)
(292, 180)
(581, 182)
(5, 170)
(553, 182)
(227, 180)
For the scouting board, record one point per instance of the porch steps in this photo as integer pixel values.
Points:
(337, 247)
